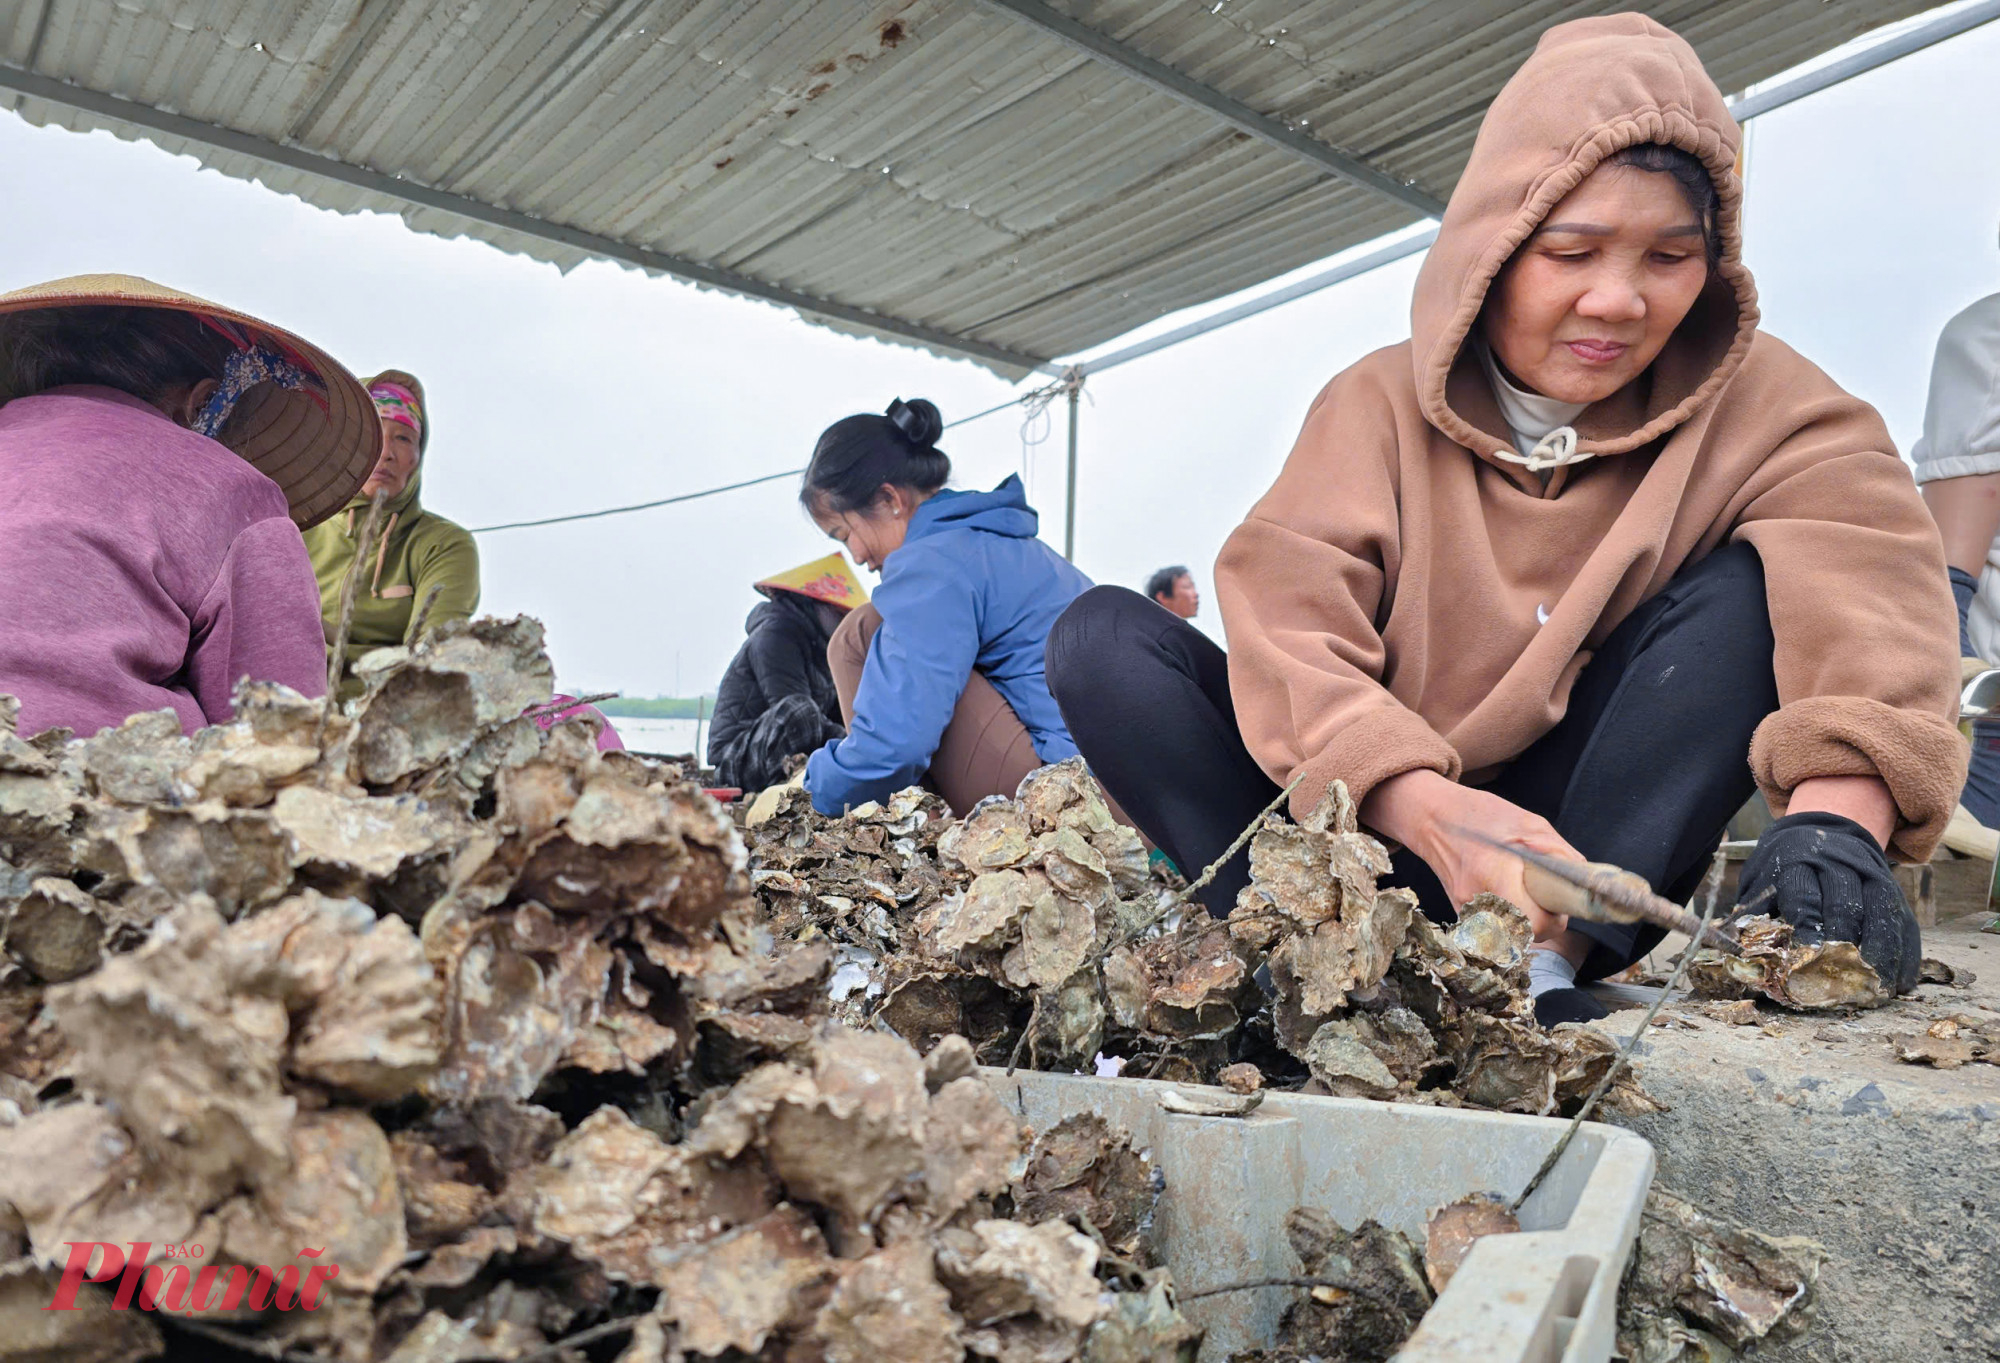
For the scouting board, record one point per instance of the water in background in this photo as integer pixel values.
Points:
(669, 737)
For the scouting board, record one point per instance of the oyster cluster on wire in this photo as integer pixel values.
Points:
(1006, 928)
(488, 1020)
(1698, 1287)
(1033, 928)
(531, 1040)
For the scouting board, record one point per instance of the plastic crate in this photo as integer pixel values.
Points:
(1546, 1295)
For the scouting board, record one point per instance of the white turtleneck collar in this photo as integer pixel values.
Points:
(1529, 416)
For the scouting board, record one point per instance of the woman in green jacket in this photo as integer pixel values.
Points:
(422, 569)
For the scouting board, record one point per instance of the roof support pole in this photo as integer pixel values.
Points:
(1074, 381)
(1866, 60)
(1178, 85)
(1311, 284)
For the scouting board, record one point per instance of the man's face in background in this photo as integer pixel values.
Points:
(1183, 600)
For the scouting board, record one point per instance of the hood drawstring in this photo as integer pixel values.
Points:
(1555, 450)
(382, 554)
(381, 548)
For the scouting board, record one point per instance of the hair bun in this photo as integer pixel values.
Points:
(918, 419)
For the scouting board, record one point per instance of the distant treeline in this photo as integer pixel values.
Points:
(657, 707)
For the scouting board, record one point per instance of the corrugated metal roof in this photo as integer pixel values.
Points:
(933, 162)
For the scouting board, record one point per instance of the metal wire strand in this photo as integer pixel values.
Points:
(1712, 891)
(1041, 395)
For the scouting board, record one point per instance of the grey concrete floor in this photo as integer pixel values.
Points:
(1808, 1124)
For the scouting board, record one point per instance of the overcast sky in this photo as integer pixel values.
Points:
(1872, 217)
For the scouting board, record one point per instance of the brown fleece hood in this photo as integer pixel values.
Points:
(1401, 599)
(1592, 88)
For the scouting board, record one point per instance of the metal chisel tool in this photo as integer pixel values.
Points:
(1600, 893)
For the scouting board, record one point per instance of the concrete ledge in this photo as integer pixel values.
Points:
(1809, 1125)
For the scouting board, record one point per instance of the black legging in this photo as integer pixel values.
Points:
(1644, 771)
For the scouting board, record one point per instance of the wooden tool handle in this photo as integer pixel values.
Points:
(1559, 896)
(1553, 895)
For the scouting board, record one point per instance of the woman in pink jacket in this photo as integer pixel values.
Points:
(158, 456)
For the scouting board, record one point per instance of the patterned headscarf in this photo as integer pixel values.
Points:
(394, 402)
(244, 370)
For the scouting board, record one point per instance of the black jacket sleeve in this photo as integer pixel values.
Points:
(780, 652)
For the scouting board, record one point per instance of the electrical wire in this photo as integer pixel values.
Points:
(1011, 402)
(726, 487)
(637, 506)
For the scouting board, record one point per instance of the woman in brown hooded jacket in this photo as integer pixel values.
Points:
(1552, 568)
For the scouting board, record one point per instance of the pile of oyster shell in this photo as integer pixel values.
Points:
(486, 1020)
(1033, 928)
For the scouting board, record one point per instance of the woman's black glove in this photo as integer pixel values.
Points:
(1832, 884)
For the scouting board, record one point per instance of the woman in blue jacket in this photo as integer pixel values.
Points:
(940, 676)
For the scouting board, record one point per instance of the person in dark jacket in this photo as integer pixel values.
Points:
(777, 700)
(940, 677)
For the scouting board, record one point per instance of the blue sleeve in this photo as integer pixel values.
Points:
(918, 664)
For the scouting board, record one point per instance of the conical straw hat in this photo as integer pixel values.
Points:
(319, 446)
(828, 579)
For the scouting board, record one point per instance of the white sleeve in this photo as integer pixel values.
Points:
(1962, 417)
